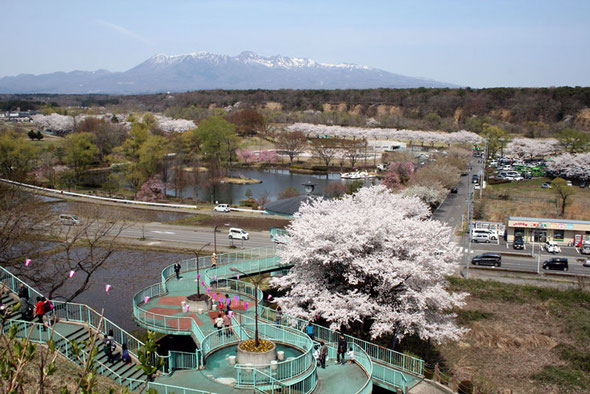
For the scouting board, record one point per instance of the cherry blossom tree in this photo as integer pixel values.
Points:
(374, 261)
(399, 174)
(268, 156)
(570, 166)
(245, 155)
(152, 190)
(528, 147)
(459, 137)
(170, 125)
(54, 122)
(432, 195)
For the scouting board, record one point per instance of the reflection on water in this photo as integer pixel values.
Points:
(274, 181)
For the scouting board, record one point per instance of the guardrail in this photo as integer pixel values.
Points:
(118, 200)
(364, 361)
(183, 360)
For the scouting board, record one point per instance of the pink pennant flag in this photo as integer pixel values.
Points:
(208, 290)
(72, 273)
(214, 295)
(238, 277)
(27, 262)
(269, 297)
(186, 307)
(108, 288)
(198, 276)
(147, 299)
(203, 282)
(215, 277)
(245, 305)
(237, 298)
(231, 313)
(221, 299)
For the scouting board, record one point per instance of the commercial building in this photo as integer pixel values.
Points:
(562, 231)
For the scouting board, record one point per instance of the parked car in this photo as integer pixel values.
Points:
(585, 249)
(238, 233)
(480, 235)
(222, 208)
(69, 220)
(552, 247)
(518, 243)
(582, 185)
(556, 263)
(454, 190)
(586, 263)
(491, 259)
(475, 178)
(546, 185)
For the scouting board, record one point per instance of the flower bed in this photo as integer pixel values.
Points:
(250, 345)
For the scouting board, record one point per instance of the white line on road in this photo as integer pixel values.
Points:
(162, 232)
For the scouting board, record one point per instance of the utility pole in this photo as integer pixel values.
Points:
(469, 206)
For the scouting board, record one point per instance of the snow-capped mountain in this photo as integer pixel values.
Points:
(202, 70)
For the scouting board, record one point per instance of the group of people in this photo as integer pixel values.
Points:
(223, 320)
(42, 310)
(321, 351)
(109, 348)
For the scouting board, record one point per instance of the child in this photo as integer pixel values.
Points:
(350, 354)
(125, 357)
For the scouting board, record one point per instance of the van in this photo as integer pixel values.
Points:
(238, 233)
(69, 220)
(556, 263)
(491, 259)
(481, 235)
(222, 208)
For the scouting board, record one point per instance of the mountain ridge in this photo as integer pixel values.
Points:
(205, 71)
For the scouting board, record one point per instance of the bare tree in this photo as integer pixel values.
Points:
(292, 143)
(194, 177)
(354, 149)
(325, 149)
(81, 250)
(563, 191)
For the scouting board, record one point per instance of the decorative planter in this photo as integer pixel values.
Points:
(257, 358)
(197, 304)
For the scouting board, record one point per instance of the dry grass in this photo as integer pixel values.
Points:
(527, 198)
(527, 339)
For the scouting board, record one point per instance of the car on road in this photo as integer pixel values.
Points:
(454, 190)
(222, 208)
(552, 247)
(546, 185)
(518, 243)
(586, 263)
(556, 263)
(238, 233)
(585, 249)
(491, 259)
(475, 178)
(69, 220)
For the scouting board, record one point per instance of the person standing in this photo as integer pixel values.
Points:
(23, 292)
(342, 345)
(109, 346)
(227, 324)
(309, 330)
(323, 354)
(279, 315)
(219, 324)
(177, 270)
(227, 304)
(125, 357)
(214, 260)
(40, 311)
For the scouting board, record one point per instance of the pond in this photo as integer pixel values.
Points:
(274, 181)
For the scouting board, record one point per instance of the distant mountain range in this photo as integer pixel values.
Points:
(202, 70)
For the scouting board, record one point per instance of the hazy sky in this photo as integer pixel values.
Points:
(474, 43)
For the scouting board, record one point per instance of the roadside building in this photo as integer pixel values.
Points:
(562, 231)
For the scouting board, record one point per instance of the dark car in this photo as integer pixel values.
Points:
(475, 179)
(454, 190)
(491, 259)
(556, 263)
(518, 243)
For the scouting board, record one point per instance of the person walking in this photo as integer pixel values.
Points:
(40, 311)
(214, 260)
(279, 315)
(125, 357)
(109, 346)
(323, 354)
(177, 270)
(309, 330)
(219, 324)
(227, 324)
(342, 345)
(23, 292)
(227, 304)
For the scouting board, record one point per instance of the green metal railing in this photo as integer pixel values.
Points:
(364, 361)
(35, 333)
(183, 360)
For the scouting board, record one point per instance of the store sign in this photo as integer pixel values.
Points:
(543, 225)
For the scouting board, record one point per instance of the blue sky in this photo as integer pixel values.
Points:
(474, 43)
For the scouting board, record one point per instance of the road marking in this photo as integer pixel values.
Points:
(162, 232)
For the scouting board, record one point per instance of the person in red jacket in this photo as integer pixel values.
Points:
(40, 311)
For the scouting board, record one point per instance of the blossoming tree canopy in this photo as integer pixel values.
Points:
(372, 259)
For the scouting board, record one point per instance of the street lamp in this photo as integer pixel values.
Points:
(215, 236)
(196, 252)
(256, 284)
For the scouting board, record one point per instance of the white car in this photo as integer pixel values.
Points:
(552, 247)
(222, 208)
(238, 233)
